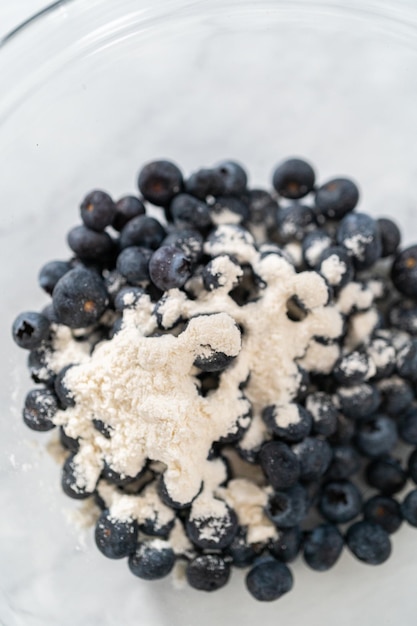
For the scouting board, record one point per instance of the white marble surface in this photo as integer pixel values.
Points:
(13, 12)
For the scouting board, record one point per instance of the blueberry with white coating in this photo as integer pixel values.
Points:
(323, 410)
(65, 396)
(128, 297)
(359, 234)
(30, 330)
(322, 547)
(213, 532)
(294, 178)
(115, 538)
(80, 298)
(292, 223)
(340, 501)
(40, 408)
(335, 266)
(190, 212)
(71, 484)
(208, 572)
(159, 181)
(336, 198)
(313, 245)
(289, 422)
(242, 553)
(397, 395)
(152, 559)
(352, 368)
(269, 579)
(359, 401)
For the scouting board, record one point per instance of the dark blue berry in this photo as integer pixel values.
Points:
(151, 560)
(323, 547)
(160, 181)
(151, 525)
(397, 395)
(50, 274)
(336, 198)
(369, 542)
(30, 330)
(69, 483)
(390, 236)
(65, 396)
(127, 208)
(352, 368)
(409, 508)
(376, 436)
(40, 408)
(315, 456)
(49, 312)
(67, 442)
(412, 466)
(115, 538)
(97, 210)
(288, 544)
(404, 272)
(208, 572)
(212, 532)
(115, 478)
(262, 207)
(188, 240)
(142, 231)
(383, 355)
(103, 428)
(314, 244)
(241, 552)
(346, 462)
(234, 177)
(386, 475)
(80, 298)
(190, 212)
(403, 315)
(407, 361)
(384, 511)
(289, 422)
(294, 178)
(359, 401)
(205, 182)
(128, 297)
(407, 426)
(294, 222)
(269, 580)
(90, 245)
(287, 508)
(280, 465)
(320, 405)
(359, 234)
(344, 432)
(169, 268)
(132, 263)
(336, 266)
(340, 501)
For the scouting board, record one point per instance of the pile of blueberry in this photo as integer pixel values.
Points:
(336, 473)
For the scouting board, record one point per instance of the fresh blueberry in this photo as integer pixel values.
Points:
(50, 274)
(407, 361)
(115, 538)
(242, 553)
(205, 182)
(208, 572)
(412, 466)
(292, 223)
(346, 462)
(359, 401)
(409, 508)
(320, 405)
(404, 272)
(287, 508)
(132, 263)
(352, 368)
(69, 483)
(280, 465)
(49, 312)
(369, 542)
(335, 266)
(386, 475)
(229, 209)
(390, 236)
(336, 198)
(152, 559)
(127, 208)
(128, 297)
(376, 436)
(142, 231)
(262, 207)
(315, 456)
(160, 181)
(169, 268)
(80, 298)
(289, 422)
(269, 580)
(188, 240)
(340, 501)
(402, 314)
(212, 532)
(397, 395)
(68, 443)
(190, 212)
(65, 396)
(314, 244)
(30, 330)
(40, 408)
(384, 511)
(359, 234)
(345, 431)
(234, 177)
(97, 210)
(323, 547)
(288, 544)
(407, 426)
(90, 245)
(294, 178)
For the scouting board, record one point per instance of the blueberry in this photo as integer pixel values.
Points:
(215, 278)
(280, 464)
(151, 525)
(340, 501)
(336, 198)
(269, 580)
(384, 511)
(115, 478)
(345, 431)
(152, 559)
(205, 182)
(65, 396)
(320, 405)
(80, 298)
(128, 297)
(369, 542)
(287, 508)
(335, 266)
(103, 428)
(166, 498)
(404, 272)
(190, 212)
(390, 236)
(409, 508)
(288, 544)
(97, 210)
(160, 181)
(69, 482)
(233, 175)
(241, 552)
(359, 234)
(67, 442)
(407, 426)
(323, 547)
(214, 531)
(314, 244)
(132, 263)
(382, 354)
(352, 368)
(40, 408)
(30, 330)
(50, 274)
(142, 231)
(115, 538)
(294, 222)
(294, 178)
(90, 245)
(230, 210)
(208, 572)
(127, 208)
(188, 240)
(359, 401)
(346, 462)
(169, 268)
(386, 475)
(315, 456)
(397, 395)
(289, 422)
(376, 436)
(407, 361)
(403, 315)
(49, 313)
(262, 207)
(412, 466)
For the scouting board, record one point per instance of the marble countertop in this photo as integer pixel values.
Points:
(13, 13)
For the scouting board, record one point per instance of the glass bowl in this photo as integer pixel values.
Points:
(90, 91)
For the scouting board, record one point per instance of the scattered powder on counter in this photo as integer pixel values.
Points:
(333, 269)
(85, 516)
(54, 448)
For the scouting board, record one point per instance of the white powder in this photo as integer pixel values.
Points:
(295, 251)
(287, 414)
(333, 269)
(65, 350)
(356, 244)
(354, 296)
(361, 326)
(316, 249)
